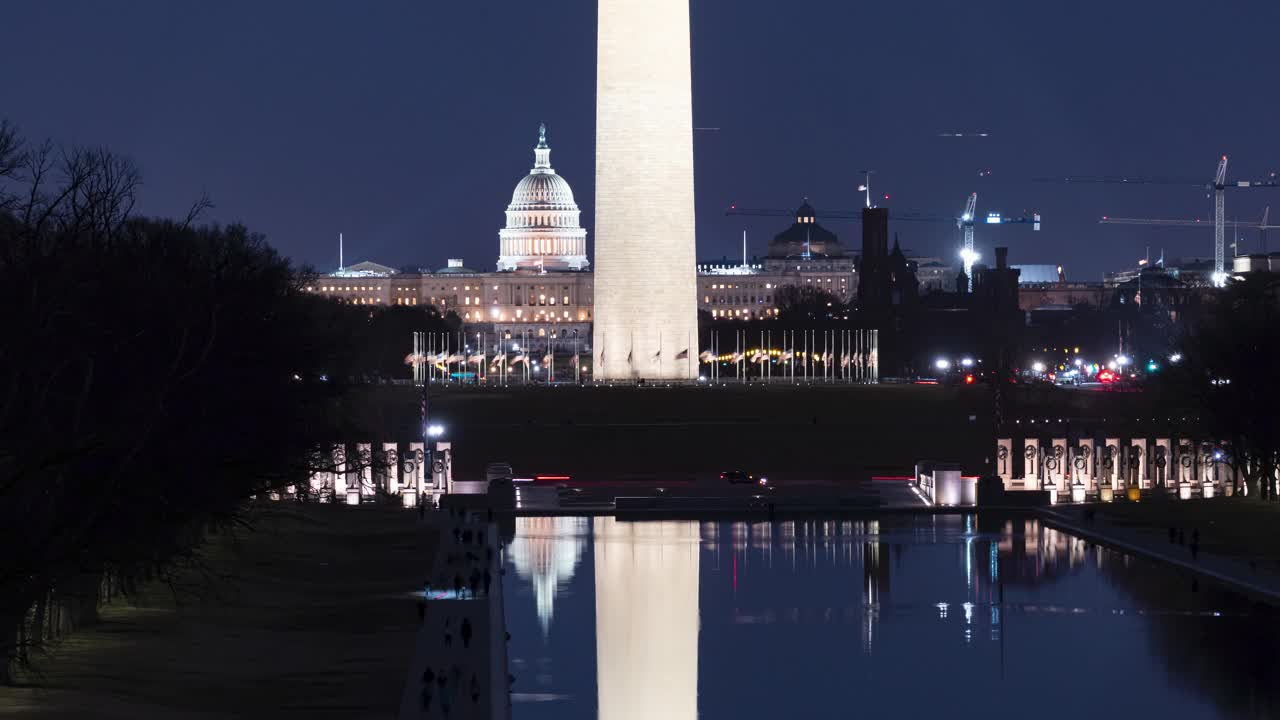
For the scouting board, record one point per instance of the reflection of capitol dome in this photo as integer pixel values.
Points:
(546, 551)
(543, 230)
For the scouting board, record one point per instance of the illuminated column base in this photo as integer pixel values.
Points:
(1112, 476)
(339, 489)
(1085, 474)
(1030, 463)
(1138, 449)
(391, 454)
(1004, 461)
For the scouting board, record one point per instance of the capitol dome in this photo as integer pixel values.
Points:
(543, 231)
(540, 191)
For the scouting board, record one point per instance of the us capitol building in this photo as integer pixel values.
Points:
(543, 285)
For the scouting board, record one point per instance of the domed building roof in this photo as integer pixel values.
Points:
(543, 230)
(805, 237)
(542, 190)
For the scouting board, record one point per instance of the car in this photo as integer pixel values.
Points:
(738, 477)
(499, 473)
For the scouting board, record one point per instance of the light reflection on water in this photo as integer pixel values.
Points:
(905, 615)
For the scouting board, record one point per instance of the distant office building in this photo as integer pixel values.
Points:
(1192, 272)
(1039, 274)
(1256, 263)
(1062, 295)
(934, 274)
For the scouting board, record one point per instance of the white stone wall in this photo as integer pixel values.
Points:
(646, 303)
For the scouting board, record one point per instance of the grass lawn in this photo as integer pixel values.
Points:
(309, 615)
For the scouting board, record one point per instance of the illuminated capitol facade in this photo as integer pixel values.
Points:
(543, 285)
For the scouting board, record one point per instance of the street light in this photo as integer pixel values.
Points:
(967, 362)
(435, 430)
(1038, 367)
(942, 364)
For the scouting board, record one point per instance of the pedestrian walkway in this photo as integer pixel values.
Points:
(1151, 542)
(459, 666)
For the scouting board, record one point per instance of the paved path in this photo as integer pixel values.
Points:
(1154, 543)
(459, 667)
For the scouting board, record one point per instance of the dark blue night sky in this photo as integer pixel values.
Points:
(405, 125)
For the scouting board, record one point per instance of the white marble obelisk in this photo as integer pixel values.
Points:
(645, 323)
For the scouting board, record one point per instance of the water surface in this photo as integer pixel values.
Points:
(905, 617)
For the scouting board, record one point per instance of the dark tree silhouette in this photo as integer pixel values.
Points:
(806, 304)
(1227, 376)
(153, 376)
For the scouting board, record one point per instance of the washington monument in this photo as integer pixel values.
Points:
(646, 323)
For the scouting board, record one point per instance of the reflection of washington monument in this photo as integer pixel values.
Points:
(646, 619)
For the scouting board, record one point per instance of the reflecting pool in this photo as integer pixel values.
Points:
(909, 616)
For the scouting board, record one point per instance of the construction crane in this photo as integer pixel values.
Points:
(1219, 185)
(1261, 226)
(966, 222)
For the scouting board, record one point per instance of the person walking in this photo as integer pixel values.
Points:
(428, 687)
(446, 695)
